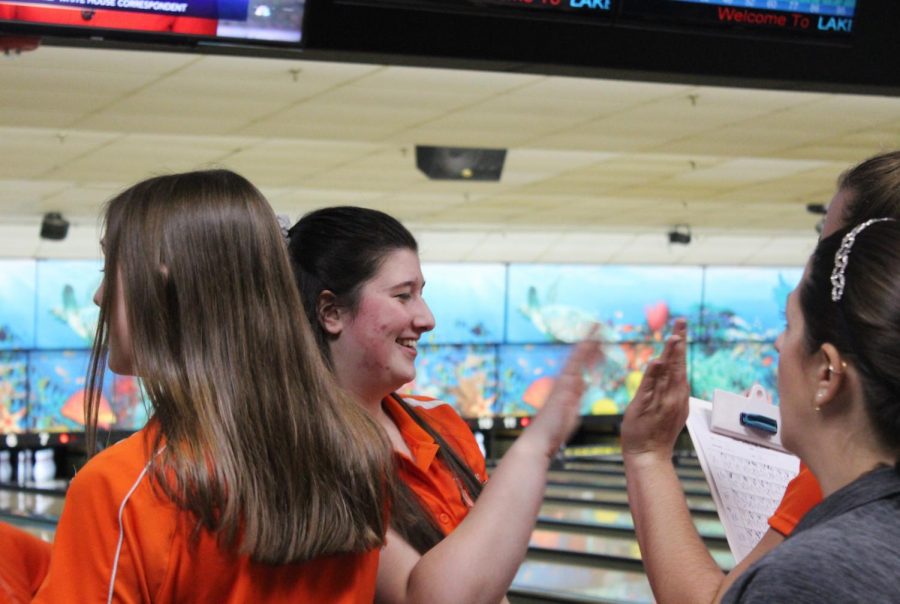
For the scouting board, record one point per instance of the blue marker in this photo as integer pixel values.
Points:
(760, 422)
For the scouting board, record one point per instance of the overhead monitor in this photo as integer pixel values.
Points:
(266, 22)
(818, 18)
(826, 19)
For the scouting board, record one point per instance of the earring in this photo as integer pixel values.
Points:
(831, 369)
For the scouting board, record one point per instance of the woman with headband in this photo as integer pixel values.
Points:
(839, 386)
(676, 560)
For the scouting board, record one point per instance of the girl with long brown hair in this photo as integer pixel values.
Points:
(256, 479)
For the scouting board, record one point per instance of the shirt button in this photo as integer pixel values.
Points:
(444, 518)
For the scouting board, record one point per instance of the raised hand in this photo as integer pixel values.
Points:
(559, 416)
(659, 409)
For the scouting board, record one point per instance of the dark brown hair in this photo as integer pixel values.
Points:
(864, 325)
(339, 249)
(875, 188)
(261, 445)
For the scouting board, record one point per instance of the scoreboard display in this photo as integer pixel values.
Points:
(824, 19)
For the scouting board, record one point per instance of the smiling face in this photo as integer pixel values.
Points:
(375, 347)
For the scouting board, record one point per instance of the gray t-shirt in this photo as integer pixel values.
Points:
(846, 549)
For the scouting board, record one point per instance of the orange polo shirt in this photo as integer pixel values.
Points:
(23, 563)
(802, 494)
(117, 534)
(426, 474)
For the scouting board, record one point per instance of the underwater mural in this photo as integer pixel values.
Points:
(17, 291)
(732, 366)
(13, 392)
(560, 303)
(502, 334)
(527, 373)
(66, 313)
(463, 375)
(745, 304)
(468, 302)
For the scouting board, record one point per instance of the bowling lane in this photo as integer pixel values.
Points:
(606, 548)
(617, 468)
(544, 580)
(562, 494)
(30, 505)
(616, 481)
(595, 517)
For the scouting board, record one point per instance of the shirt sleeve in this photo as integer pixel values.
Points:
(802, 494)
(23, 564)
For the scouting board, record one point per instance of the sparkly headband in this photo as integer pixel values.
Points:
(843, 255)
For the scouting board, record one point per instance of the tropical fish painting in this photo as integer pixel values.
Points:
(560, 323)
(733, 366)
(82, 320)
(66, 314)
(527, 374)
(13, 392)
(561, 303)
(73, 409)
(745, 304)
(462, 375)
(129, 404)
(57, 390)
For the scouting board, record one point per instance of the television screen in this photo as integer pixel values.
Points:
(580, 9)
(824, 18)
(271, 21)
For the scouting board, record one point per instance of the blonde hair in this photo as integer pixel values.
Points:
(261, 445)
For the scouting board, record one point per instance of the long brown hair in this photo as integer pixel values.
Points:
(260, 443)
(339, 249)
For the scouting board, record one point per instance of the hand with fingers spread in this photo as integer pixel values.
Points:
(659, 409)
(559, 416)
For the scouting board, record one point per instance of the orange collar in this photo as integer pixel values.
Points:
(420, 444)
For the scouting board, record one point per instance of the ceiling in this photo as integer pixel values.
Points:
(597, 170)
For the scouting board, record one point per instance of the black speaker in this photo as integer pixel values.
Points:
(680, 234)
(54, 226)
(460, 163)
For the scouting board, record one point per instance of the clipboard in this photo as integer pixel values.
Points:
(746, 479)
(751, 418)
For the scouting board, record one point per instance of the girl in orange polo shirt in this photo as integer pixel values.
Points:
(256, 479)
(361, 283)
